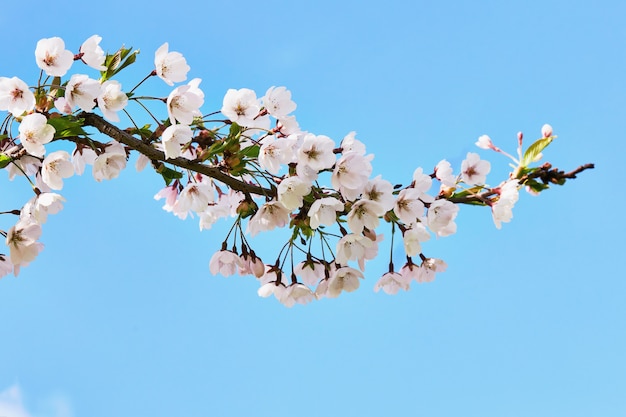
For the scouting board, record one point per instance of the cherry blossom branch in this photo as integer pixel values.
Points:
(112, 131)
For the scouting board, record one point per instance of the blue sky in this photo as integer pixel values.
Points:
(120, 315)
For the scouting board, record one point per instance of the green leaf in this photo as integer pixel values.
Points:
(67, 126)
(535, 149)
(4, 160)
(118, 61)
(251, 151)
(169, 174)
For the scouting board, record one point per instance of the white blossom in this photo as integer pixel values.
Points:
(184, 102)
(15, 96)
(55, 167)
(546, 130)
(381, 192)
(441, 215)
(276, 152)
(81, 157)
(413, 238)
(82, 91)
(426, 272)
(52, 57)
(343, 279)
(174, 136)
(111, 100)
(34, 133)
(269, 216)
(391, 283)
(502, 210)
(171, 67)
(277, 101)
(38, 207)
(408, 205)
(474, 170)
(324, 211)
(291, 192)
(351, 174)
(316, 152)
(296, 293)
(109, 164)
(22, 242)
(443, 172)
(311, 272)
(225, 263)
(241, 106)
(364, 213)
(484, 142)
(6, 267)
(195, 197)
(92, 53)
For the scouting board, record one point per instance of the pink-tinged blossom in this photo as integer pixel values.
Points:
(241, 106)
(269, 216)
(474, 170)
(55, 167)
(252, 265)
(443, 172)
(109, 164)
(15, 97)
(484, 142)
(414, 237)
(296, 293)
(311, 272)
(82, 91)
(502, 210)
(22, 242)
(546, 130)
(195, 197)
(381, 192)
(171, 67)
(6, 267)
(277, 101)
(170, 194)
(324, 211)
(142, 162)
(111, 100)
(364, 214)
(429, 268)
(408, 205)
(173, 138)
(35, 132)
(92, 54)
(410, 271)
(291, 192)
(391, 283)
(184, 102)
(52, 57)
(316, 152)
(38, 207)
(62, 105)
(81, 157)
(351, 174)
(225, 263)
(441, 215)
(343, 279)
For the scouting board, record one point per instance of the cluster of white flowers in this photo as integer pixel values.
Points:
(264, 145)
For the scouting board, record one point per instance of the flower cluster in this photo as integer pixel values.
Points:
(251, 162)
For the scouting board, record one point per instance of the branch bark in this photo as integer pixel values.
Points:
(129, 140)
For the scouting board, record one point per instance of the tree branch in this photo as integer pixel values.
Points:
(127, 139)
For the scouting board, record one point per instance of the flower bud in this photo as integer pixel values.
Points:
(546, 131)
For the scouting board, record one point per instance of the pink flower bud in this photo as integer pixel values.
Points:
(546, 131)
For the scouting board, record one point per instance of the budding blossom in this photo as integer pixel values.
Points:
(52, 57)
(55, 167)
(15, 97)
(171, 67)
(34, 133)
(546, 130)
(92, 54)
(484, 142)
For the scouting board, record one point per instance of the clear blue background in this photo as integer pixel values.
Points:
(120, 316)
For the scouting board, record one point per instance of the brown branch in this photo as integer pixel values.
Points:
(127, 139)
